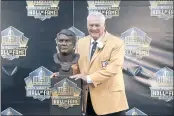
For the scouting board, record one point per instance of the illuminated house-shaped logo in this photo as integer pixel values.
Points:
(66, 94)
(42, 9)
(137, 43)
(38, 84)
(162, 86)
(13, 43)
(10, 112)
(79, 34)
(162, 9)
(135, 112)
(109, 8)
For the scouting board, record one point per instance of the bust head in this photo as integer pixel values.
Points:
(66, 56)
(66, 40)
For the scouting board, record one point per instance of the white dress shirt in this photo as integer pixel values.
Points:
(91, 44)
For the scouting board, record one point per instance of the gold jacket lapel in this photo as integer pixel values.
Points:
(87, 53)
(97, 52)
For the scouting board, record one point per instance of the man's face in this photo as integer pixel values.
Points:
(95, 27)
(65, 44)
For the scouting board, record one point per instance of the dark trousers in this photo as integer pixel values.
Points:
(90, 111)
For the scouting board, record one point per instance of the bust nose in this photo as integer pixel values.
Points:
(64, 43)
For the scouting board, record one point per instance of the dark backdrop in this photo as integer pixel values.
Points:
(41, 47)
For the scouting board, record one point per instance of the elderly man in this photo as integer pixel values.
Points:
(101, 63)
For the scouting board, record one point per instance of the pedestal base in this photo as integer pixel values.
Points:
(66, 87)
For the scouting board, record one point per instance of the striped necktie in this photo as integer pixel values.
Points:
(94, 46)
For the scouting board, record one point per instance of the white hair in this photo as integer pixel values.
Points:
(98, 15)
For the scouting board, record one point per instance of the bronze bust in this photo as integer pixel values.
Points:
(67, 59)
(66, 56)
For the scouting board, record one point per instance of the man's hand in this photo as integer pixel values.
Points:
(79, 76)
(55, 75)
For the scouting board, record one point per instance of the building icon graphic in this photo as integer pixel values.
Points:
(38, 84)
(10, 112)
(79, 34)
(135, 112)
(137, 43)
(162, 86)
(162, 9)
(42, 9)
(66, 94)
(109, 8)
(13, 43)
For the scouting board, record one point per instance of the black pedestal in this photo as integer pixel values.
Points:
(68, 91)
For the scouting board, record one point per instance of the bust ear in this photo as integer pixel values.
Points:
(74, 48)
(57, 49)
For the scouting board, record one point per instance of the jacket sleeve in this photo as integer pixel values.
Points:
(114, 66)
(75, 67)
(76, 47)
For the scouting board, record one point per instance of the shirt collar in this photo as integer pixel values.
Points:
(98, 40)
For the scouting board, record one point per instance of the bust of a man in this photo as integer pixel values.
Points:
(66, 56)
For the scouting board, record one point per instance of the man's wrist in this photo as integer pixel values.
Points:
(88, 79)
